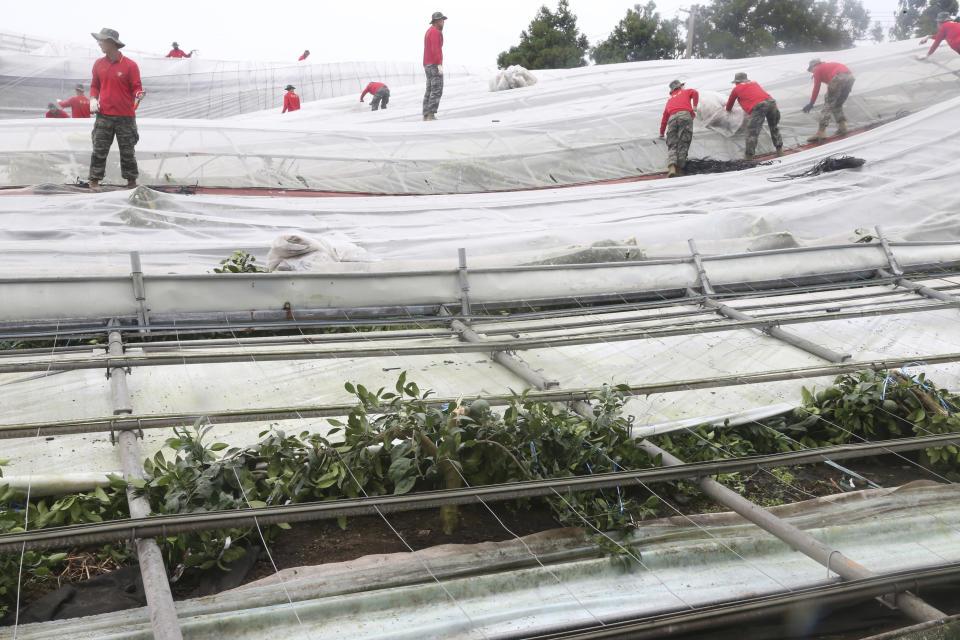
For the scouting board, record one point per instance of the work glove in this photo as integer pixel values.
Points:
(922, 56)
(94, 105)
(139, 95)
(808, 107)
(440, 69)
(923, 41)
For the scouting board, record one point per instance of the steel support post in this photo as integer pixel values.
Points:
(464, 283)
(139, 291)
(803, 542)
(156, 586)
(771, 330)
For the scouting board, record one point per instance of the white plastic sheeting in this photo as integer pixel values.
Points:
(573, 126)
(395, 597)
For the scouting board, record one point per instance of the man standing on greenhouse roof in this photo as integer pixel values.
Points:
(304, 55)
(291, 101)
(380, 93)
(113, 92)
(949, 31)
(839, 81)
(53, 111)
(433, 65)
(177, 52)
(79, 104)
(759, 106)
(677, 122)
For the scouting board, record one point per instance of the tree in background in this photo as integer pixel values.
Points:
(744, 28)
(917, 18)
(641, 35)
(551, 42)
(876, 33)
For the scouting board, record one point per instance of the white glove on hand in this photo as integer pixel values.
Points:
(440, 69)
(94, 105)
(923, 41)
(922, 56)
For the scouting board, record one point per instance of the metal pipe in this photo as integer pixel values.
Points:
(464, 283)
(139, 291)
(156, 586)
(832, 559)
(568, 395)
(71, 364)
(515, 365)
(926, 292)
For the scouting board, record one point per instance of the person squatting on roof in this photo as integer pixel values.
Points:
(79, 104)
(291, 101)
(177, 52)
(380, 93)
(53, 111)
(113, 90)
(949, 31)
(433, 65)
(839, 81)
(677, 121)
(759, 106)
(304, 55)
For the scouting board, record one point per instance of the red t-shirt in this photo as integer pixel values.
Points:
(302, 57)
(680, 100)
(824, 72)
(79, 106)
(59, 113)
(291, 102)
(949, 31)
(433, 46)
(749, 94)
(116, 84)
(372, 89)
(178, 53)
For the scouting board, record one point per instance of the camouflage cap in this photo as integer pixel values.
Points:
(674, 85)
(289, 87)
(740, 77)
(814, 63)
(109, 34)
(437, 15)
(79, 87)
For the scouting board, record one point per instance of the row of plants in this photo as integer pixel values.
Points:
(397, 441)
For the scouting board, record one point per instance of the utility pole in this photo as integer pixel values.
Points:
(691, 21)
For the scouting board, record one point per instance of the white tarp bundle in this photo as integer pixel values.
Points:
(513, 77)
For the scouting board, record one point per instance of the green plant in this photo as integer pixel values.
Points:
(239, 262)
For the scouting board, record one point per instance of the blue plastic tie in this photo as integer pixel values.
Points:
(619, 497)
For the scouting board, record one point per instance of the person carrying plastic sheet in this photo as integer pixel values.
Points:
(304, 55)
(53, 111)
(949, 31)
(433, 65)
(79, 104)
(677, 122)
(839, 81)
(177, 52)
(291, 101)
(759, 106)
(380, 93)
(113, 91)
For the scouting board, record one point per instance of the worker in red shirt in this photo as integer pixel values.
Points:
(53, 111)
(114, 92)
(949, 31)
(839, 81)
(177, 52)
(677, 121)
(291, 101)
(306, 54)
(759, 106)
(433, 65)
(380, 93)
(79, 104)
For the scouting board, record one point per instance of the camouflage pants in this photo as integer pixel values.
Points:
(431, 97)
(380, 99)
(837, 91)
(679, 136)
(104, 130)
(766, 110)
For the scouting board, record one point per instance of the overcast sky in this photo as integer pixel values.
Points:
(477, 30)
